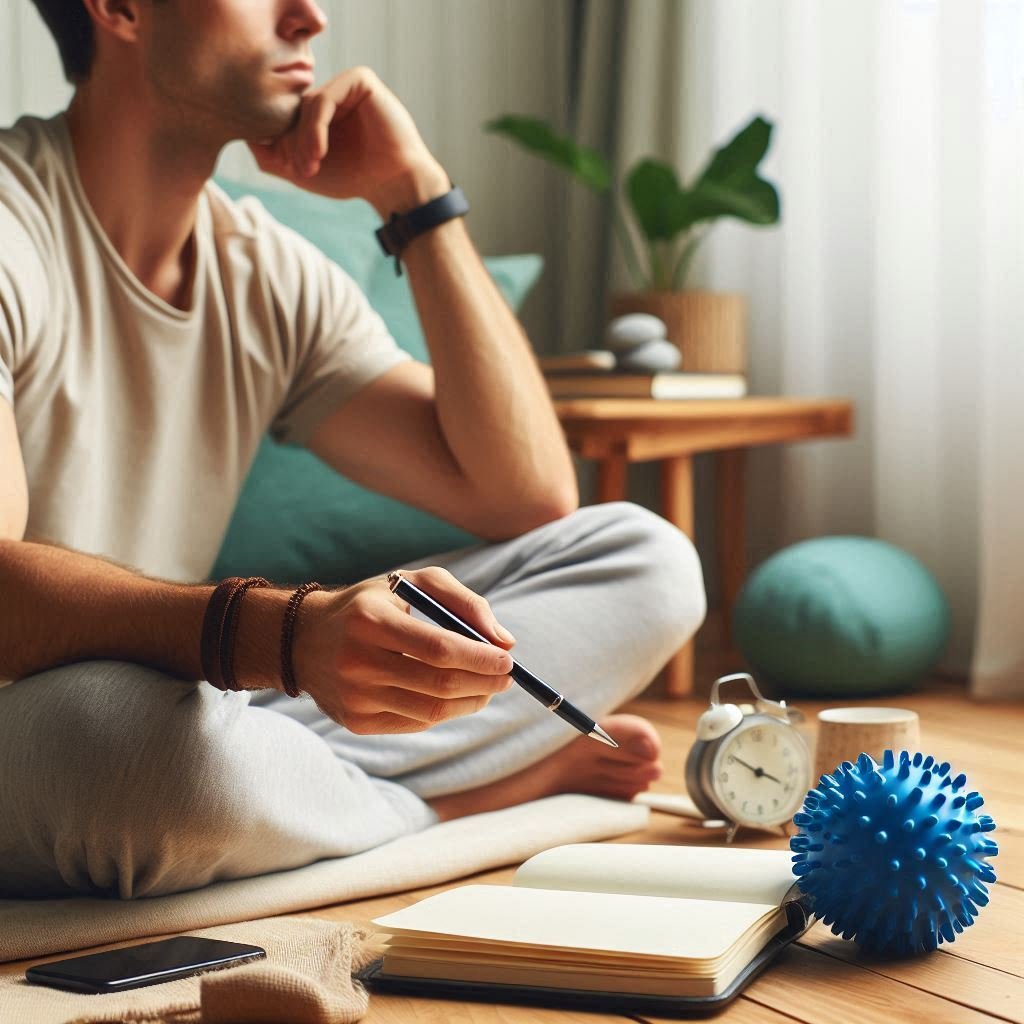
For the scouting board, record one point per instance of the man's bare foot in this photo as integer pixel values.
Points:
(583, 766)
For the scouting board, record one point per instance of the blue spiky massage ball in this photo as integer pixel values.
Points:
(893, 855)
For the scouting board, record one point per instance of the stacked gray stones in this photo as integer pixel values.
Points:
(640, 344)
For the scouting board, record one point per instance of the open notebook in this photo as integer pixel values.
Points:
(660, 921)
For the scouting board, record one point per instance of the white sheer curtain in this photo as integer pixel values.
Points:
(895, 278)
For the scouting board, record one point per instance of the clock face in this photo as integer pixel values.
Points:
(761, 772)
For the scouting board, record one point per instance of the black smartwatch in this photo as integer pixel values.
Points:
(402, 228)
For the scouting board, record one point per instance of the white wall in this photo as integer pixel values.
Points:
(454, 63)
(31, 80)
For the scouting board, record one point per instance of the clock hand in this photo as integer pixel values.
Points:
(758, 772)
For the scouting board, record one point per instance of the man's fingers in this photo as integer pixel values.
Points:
(271, 158)
(422, 708)
(461, 601)
(434, 645)
(383, 724)
(447, 683)
(268, 158)
(352, 86)
(310, 144)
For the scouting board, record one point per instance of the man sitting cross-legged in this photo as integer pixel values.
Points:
(151, 331)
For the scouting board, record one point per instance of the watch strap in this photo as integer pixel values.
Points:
(401, 228)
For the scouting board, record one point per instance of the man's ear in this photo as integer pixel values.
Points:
(119, 18)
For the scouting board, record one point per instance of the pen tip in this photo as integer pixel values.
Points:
(599, 734)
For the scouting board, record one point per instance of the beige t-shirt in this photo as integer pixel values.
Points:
(138, 421)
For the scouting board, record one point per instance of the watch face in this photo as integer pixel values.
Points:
(761, 772)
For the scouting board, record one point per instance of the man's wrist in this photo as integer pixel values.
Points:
(257, 657)
(257, 643)
(413, 187)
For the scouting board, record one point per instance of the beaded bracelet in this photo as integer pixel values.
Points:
(220, 626)
(231, 617)
(291, 687)
(213, 630)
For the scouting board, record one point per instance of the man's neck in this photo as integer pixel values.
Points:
(143, 182)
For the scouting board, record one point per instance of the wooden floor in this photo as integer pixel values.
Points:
(821, 980)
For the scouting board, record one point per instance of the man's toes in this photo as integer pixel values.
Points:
(638, 740)
(640, 776)
(626, 789)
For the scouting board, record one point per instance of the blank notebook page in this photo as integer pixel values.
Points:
(647, 925)
(735, 873)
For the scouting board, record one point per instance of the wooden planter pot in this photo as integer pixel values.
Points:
(709, 328)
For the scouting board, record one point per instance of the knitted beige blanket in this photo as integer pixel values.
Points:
(308, 962)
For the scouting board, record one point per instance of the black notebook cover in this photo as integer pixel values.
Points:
(798, 916)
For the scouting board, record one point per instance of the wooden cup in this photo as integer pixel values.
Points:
(845, 733)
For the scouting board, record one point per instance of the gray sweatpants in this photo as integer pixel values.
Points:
(118, 779)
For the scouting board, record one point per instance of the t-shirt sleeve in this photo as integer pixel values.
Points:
(23, 296)
(341, 344)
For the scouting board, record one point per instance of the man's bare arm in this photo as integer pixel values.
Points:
(474, 438)
(61, 606)
(482, 416)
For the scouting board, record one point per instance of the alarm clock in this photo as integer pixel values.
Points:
(749, 765)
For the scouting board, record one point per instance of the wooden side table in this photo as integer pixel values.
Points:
(618, 431)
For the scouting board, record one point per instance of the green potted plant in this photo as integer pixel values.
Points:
(672, 220)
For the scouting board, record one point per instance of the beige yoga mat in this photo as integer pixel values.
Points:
(305, 979)
(441, 853)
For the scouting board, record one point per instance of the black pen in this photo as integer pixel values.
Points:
(533, 685)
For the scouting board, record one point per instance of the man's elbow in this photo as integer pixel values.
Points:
(561, 501)
(528, 512)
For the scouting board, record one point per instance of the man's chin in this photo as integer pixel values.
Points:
(274, 120)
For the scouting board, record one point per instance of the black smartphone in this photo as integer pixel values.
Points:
(147, 964)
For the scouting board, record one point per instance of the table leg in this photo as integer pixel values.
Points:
(611, 478)
(677, 492)
(730, 509)
(677, 507)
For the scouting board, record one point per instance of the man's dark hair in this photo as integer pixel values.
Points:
(71, 26)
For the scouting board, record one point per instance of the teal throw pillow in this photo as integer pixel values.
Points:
(297, 519)
(841, 616)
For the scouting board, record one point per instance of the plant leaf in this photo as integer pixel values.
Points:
(539, 137)
(729, 185)
(756, 203)
(657, 201)
(739, 157)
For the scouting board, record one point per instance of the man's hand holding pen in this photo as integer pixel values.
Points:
(374, 668)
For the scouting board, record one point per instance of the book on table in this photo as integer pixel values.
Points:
(603, 925)
(587, 359)
(670, 385)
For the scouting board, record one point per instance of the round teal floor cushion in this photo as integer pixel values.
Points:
(842, 616)
(296, 518)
